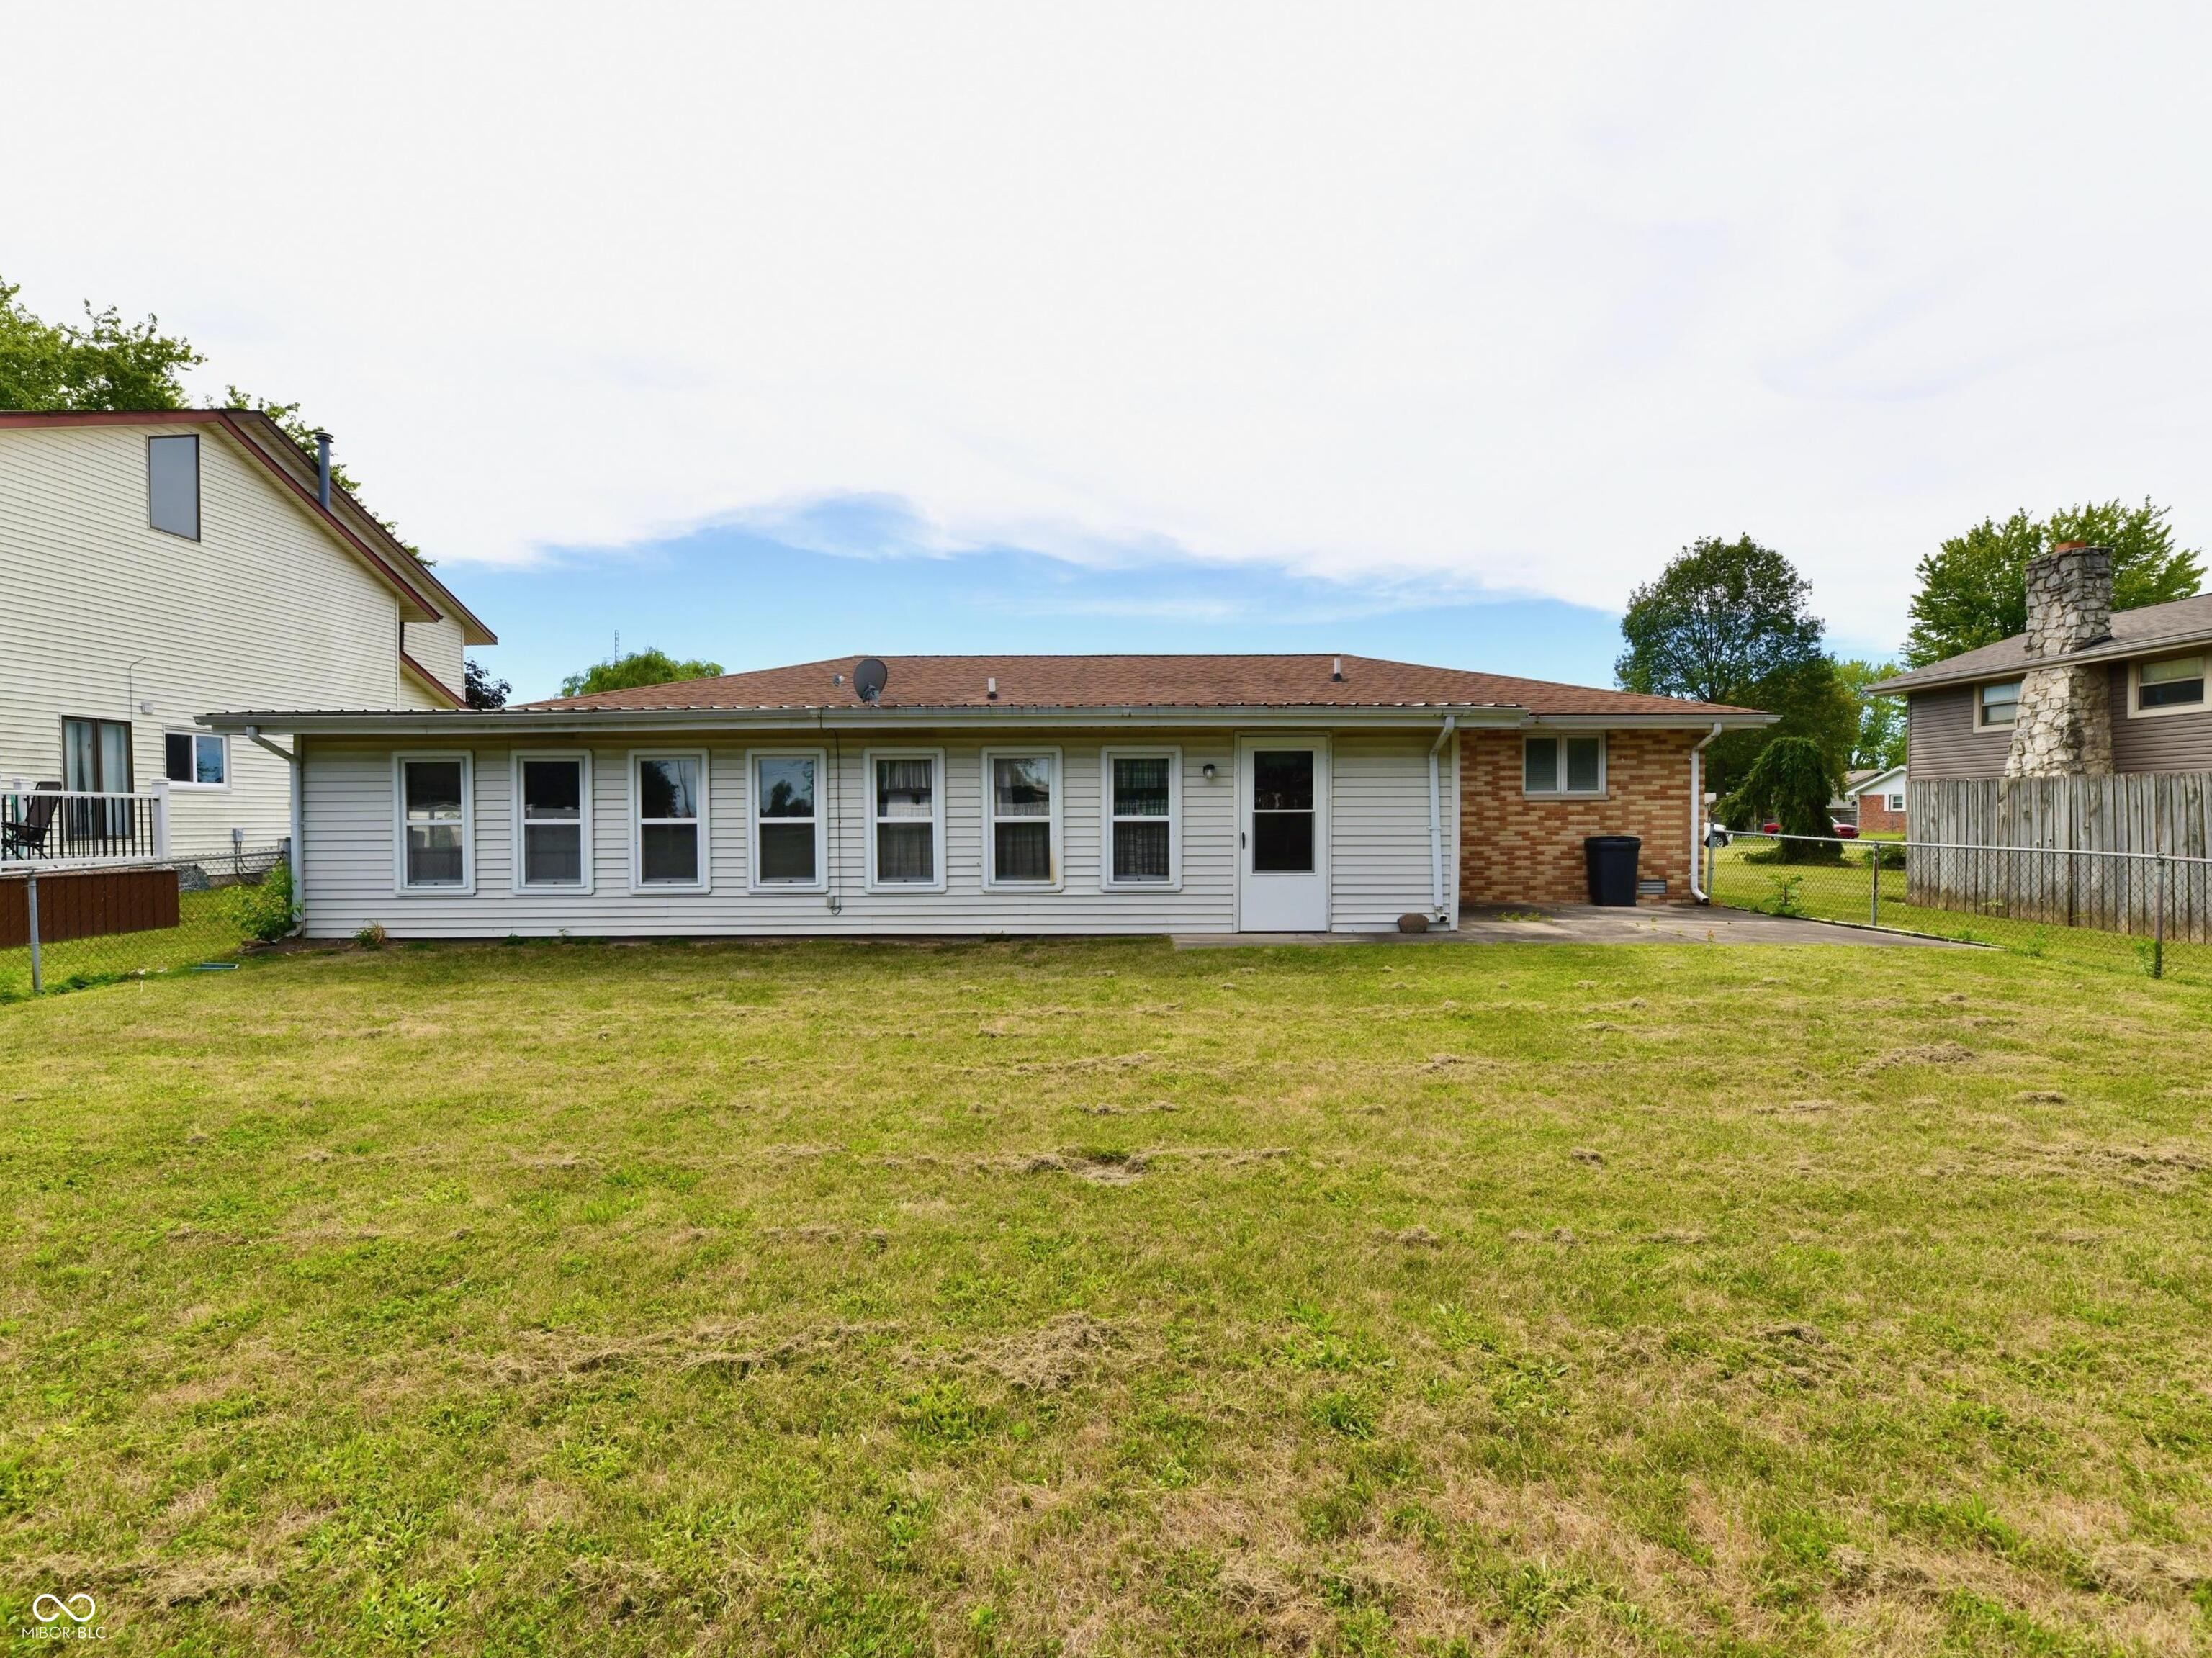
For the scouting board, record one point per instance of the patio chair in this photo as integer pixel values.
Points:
(27, 839)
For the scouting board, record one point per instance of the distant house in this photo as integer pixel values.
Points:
(163, 564)
(1877, 799)
(978, 794)
(2086, 691)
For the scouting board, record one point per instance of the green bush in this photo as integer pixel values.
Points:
(1790, 782)
(266, 912)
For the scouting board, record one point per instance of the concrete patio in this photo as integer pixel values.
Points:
(1591, 924)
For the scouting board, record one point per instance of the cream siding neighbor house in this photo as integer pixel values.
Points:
(973, 795)
(159, 565)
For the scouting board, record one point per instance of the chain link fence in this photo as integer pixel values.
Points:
(2146, 913)
(68, 927)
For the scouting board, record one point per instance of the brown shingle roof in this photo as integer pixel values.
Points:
(1137, 682)
(2145, 628)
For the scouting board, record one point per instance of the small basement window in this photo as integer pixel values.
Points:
(554, 789)
(1141, 818)
(173, 485)
(787, 820)
(1563, 765)
(1023, 805)
(1998, 705)
(669, 796)
(195, 760)
(2176, 683)
(433, 822)
(905, 805)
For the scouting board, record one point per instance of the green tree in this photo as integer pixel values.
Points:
(1791, 781)
(479, 689)
(1880, 741)
(646, 667)
(294, 426)
(1728, 622)
(1973, 588)
(106, 364)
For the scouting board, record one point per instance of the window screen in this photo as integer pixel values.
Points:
(436, 851)
(553, 823)
(2000, 704)
(785, 821)
(1144, 845)
(906, 820)
(1021, 818)
(668, 821)
(173, 485)
(2176, 683)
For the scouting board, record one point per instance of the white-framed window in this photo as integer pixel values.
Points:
(173, 485)
(553, 821)
(1021, 818)
(1897, 803)
(790, 842)
(2175, 685)
(906, 819)
(435, 822)
(668, 820)
(1997, 705)
(1141, 797)
(195, 760)
(1563, 765)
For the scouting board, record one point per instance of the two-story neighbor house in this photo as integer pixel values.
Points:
(2086, 691)
(163, 564)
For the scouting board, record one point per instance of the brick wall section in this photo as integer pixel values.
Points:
(1877, 819)
(1514, 850)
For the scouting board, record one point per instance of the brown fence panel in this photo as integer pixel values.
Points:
(88, 903)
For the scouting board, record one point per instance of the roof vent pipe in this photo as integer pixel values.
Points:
(323, 469)
(1336, 669)
(990, 687)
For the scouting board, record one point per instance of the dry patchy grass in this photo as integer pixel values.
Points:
(1094, 1298)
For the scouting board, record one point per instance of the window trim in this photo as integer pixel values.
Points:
(1982, 723)
(130, 750)
(517, 822)
(1172, 753)
(1893, 802)
(822, 784)
(2136, 709)
(197, 738)
(868, 759)
(1559, 740)
(637, 881)
(199, 485)
(992, 882)
(466, 886)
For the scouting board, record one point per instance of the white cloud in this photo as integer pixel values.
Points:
(1512, 297)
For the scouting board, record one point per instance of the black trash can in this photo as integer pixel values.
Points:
(1613, 868)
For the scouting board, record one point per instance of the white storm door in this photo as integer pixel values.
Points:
(1282, 834)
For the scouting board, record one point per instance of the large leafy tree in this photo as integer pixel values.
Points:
(1879, 739)
(106, 364)
(646, 667)
(1791, 781)
(1973, 588)
(1728, 622)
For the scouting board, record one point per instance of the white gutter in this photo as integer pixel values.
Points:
(1436, 822)
(291, 758)
(1698, 809)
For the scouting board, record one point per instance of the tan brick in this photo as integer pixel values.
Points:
(1516, 850)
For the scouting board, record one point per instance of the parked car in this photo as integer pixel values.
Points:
(1845, 831)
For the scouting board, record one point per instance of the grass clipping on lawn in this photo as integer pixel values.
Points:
(1099, 1298)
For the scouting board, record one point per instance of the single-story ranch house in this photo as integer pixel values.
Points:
(991, 794)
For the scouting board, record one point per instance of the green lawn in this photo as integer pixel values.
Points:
(1746, 876)
(1098, 1298)
(208, 929)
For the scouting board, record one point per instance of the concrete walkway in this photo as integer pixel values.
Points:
(1589, 924)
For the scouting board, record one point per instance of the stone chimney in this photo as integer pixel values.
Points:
(2064, 725)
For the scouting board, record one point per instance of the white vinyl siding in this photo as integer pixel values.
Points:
(438, 647)
(1379, 868)
(104, 613)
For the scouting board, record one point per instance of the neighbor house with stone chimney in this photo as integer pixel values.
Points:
(2086, 692)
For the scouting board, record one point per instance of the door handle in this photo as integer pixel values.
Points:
(1240, 840)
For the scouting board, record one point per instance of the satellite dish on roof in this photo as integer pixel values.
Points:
(869, 677)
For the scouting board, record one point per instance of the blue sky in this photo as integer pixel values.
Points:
(851, 575)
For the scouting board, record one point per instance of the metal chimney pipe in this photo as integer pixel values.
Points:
(323, 469)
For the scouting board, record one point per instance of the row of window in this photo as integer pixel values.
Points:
(904, 816)
(96, 757)
(2173, 685)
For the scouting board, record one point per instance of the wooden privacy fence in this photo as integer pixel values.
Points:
(88, 904)
(2128, 855)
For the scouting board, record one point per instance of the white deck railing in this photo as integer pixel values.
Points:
(77, 828)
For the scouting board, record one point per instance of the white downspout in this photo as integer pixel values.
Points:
(1436, 824)
(293, 855)
(1698, 809)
